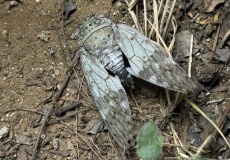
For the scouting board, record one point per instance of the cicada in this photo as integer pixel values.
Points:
(110, 55)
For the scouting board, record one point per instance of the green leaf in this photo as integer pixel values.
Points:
(149, 142)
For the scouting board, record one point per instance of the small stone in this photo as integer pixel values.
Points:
(4, 131)
(115, 13)
(5, 35)
(9, 4)
(44, 35)
(56, 72)
(208, 39)
(58, 86)
(74, 34)
(5, 32)
(48, 88)
(23, 139)
(55, 143)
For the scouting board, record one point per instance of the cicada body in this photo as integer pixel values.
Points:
(110, 55)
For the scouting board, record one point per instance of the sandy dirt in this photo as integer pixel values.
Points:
(30, 76)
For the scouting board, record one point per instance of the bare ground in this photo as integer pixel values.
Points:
(29, 76)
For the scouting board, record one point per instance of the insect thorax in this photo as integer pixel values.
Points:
(100, 42)
(90, 25)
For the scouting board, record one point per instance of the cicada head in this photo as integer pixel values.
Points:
(91, 24)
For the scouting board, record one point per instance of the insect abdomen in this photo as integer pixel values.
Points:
(112, 59)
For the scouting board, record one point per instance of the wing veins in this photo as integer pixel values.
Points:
(151, 63)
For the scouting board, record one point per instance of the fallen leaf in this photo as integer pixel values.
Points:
(216, 18)
(219, 89)
(35, 119)
(3, 148)
(197, 4)
(23, 139)
(204, 20)
(211, 4)
(21, 153)
(95, 126)
(4, 131)
(72, 149)
(182, 45)
(60, 152)
(68, 8)
(33, 82)
(2, 154)
(49, 138)
(223, 54)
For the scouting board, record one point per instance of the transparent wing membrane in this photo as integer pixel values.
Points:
(110, 98)
(149, 62)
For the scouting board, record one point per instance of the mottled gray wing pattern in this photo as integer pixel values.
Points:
(110, 98)
(148, 60)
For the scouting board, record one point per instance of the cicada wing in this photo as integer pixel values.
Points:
(110, 98)
(149, 62)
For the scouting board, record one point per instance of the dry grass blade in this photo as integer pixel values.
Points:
(161, 40)
(155, 15)
(156, 20)
(145, 18)
(138, 108)
(178, 98)
(160, 7)
(169, 19)
(83, 87)
(174, 25)
(214, 44)
(91, 145)
(202, 146)
(190, 57)
(133, 15)
(163, 15)
(131, 4)
(176, 139)
(167, 93)
(81, 84)
(226, 36)
(207, 118)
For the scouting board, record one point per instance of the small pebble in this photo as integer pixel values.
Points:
(58, 86)
(4, 131)
(4, 32)
(9, 4)
(44, 35)
(56, 72)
